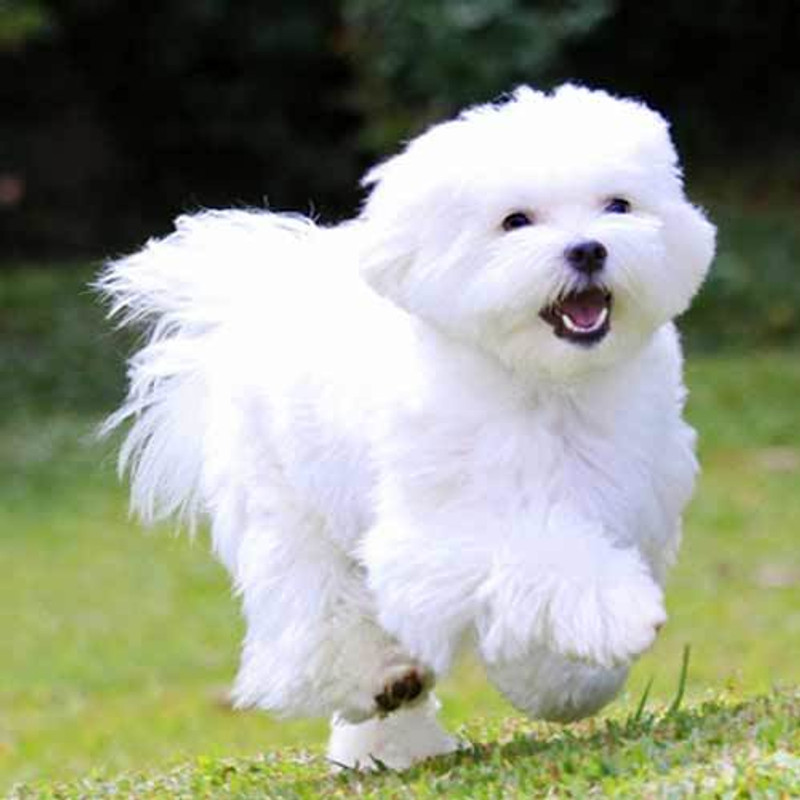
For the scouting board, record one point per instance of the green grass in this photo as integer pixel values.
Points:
(118, 645)
(719, 748)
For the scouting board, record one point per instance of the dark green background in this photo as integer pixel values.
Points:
(117, 116)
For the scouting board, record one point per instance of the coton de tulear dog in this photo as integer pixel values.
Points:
(454, 419)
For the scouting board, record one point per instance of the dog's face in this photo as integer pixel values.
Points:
(550, 231)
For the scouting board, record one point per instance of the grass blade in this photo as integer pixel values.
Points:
(676, 703)
(643, 701)
(380, 766)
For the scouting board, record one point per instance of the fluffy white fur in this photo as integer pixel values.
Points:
(395, 451)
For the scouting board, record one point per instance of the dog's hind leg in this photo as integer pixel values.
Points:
(312, 645)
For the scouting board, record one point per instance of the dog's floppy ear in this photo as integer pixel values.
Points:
(691, 243)
(391, 232)
(385, 270)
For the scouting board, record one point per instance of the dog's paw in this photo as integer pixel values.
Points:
(396, 741)
(404, 685)
(610, 624)
(575, 595)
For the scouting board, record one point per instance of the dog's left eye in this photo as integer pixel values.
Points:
(519, 219)
(618, 205)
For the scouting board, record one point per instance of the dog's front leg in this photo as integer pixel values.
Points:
(562, 585)
(570, 589)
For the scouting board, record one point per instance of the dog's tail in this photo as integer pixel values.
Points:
(183, 290)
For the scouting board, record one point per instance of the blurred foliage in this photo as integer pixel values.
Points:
(724, 72)
(418, 61)
(752, 296)
(125, 115)
(119, 116)
(21, 20)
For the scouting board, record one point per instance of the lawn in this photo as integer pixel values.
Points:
(720, 748)
(119, 645)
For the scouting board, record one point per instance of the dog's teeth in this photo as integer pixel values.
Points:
(595, 326)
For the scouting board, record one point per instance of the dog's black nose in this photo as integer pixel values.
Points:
(587, 257)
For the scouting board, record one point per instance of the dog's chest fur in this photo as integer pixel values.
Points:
(468, 439)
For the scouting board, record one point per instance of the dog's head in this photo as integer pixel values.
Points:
(550, 230)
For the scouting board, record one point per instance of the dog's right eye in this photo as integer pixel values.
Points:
(519, 219)
(618, 205)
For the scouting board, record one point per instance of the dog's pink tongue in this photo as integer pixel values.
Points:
(584, 308)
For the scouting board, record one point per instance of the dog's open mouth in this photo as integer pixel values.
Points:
(582, 317)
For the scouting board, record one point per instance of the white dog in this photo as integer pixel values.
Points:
(456, 418)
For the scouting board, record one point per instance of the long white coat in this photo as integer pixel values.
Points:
(396, 453)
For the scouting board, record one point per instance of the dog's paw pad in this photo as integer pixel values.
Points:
(406, 688)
